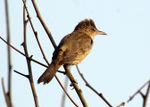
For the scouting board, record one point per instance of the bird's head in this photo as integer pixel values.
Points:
(88, 26)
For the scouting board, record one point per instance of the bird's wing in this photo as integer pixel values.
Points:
(60, 50)
(73, 48)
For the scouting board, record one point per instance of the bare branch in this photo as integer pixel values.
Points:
(9, 94)
(35, 61)
(121, 104)
(94, 90)
(145, 98)
(66, 91)
(17, 50)
(24, 75)
(28, 60)
(43, 23)
(137, 92)
(35, 33)
(75, 85)
(141, 93)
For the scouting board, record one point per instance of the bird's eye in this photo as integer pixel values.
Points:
(93, 29)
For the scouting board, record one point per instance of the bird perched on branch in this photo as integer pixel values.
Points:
(72, 49)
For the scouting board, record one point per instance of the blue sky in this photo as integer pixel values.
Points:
(117, 66)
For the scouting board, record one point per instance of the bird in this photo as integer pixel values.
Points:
(72, 49)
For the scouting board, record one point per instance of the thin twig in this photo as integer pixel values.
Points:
(139, 91)
(24, 75)
(17, 50)
(66, 92)
(35, 32)
(121, 104)
(43, 24)
(28, 59)
(9, 94)
(36, 36)
(34, 60)
(94, 90)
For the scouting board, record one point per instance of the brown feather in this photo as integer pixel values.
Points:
(49, 73)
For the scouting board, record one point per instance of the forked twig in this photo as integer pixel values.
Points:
(145, 98)
(28, 60)
(35, 33)
(17, 50)
(94, 90)
(138, 91)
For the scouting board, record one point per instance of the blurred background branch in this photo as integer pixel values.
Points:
(8, 94)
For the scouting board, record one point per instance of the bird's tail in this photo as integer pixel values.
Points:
(49, 73)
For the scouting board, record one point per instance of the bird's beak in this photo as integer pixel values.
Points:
(101, 33)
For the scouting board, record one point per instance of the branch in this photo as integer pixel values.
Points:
(34, 60)
(94, 90)
(24, 75)
(121, 104)
(138, 91)
(66, 92)
(75, 85)
(35, 32)
(44, 24)
(17, 50)
(9, 94)
(28, 60)
(145, 98)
